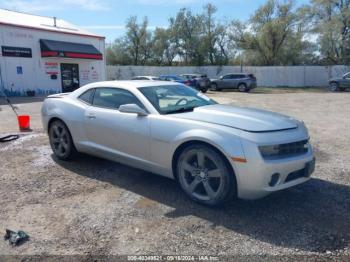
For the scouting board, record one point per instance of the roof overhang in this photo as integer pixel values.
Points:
(53, 30)
(51, 48)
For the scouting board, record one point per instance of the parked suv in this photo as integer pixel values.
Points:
(198, 81)
(241, 81)
(340, 83)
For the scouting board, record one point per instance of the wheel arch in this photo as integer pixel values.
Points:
(188, 143)
(55, 118)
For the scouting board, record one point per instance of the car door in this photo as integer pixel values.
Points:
(239, 79)
(112, 132)
(227, 81)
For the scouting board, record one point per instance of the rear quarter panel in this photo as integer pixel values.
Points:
(70, 111)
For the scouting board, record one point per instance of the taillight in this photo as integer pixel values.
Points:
(187, 82)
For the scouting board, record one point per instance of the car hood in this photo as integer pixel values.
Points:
(335, 79)
(247, 119)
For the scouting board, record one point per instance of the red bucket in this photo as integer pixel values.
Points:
(24, 122)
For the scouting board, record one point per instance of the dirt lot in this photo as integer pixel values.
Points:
(93, 206)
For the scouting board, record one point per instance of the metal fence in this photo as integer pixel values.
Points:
(273, 76)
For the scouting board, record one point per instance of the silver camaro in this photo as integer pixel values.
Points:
(216, 152)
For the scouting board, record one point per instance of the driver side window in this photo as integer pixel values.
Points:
(227, 77)
(113, 98)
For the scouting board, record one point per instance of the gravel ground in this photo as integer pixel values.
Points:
(93, 206)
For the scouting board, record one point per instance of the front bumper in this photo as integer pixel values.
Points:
(254, 177)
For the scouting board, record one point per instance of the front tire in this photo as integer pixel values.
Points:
(61, 141)
(333, 87)
(204, 175)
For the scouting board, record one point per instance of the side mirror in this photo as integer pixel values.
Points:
(132, 109)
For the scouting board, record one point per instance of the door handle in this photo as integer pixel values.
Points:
(91, 116)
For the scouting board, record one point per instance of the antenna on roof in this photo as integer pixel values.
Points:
(54, 21)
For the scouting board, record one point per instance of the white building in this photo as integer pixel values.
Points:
(47, 55)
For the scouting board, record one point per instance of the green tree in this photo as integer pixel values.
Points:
(138, 40)
(117, 53)
(187, 29)
(165, 47)
(330, 21)
(270, 33)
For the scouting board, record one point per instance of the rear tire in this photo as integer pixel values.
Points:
(204, 175)
(204, 90)
(61, 141)
(243, 88)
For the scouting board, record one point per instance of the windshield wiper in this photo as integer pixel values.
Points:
(181, 110)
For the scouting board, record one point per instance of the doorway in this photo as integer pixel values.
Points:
(70, 77)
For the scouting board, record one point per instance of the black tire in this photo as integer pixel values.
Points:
(243, 87)
(214, 87)
(202, 89)
(204, 175)
(61, 141)
(334, 87)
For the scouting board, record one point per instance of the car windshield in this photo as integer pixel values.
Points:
(175, 99)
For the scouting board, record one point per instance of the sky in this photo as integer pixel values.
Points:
(107, 17)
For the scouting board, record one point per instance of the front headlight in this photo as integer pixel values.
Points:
(268, 151)
(284, 150)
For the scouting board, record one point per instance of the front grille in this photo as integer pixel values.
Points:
(295, 148)
(284, 150)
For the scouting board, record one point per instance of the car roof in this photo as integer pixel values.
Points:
(129, 84)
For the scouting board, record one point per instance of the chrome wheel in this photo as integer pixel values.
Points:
(203, 175)
(60, 140)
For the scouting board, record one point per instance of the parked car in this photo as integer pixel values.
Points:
(198, 81)
(175, 78)
(150, 78)
(242, 82)
(339, 83)
(216, 152)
